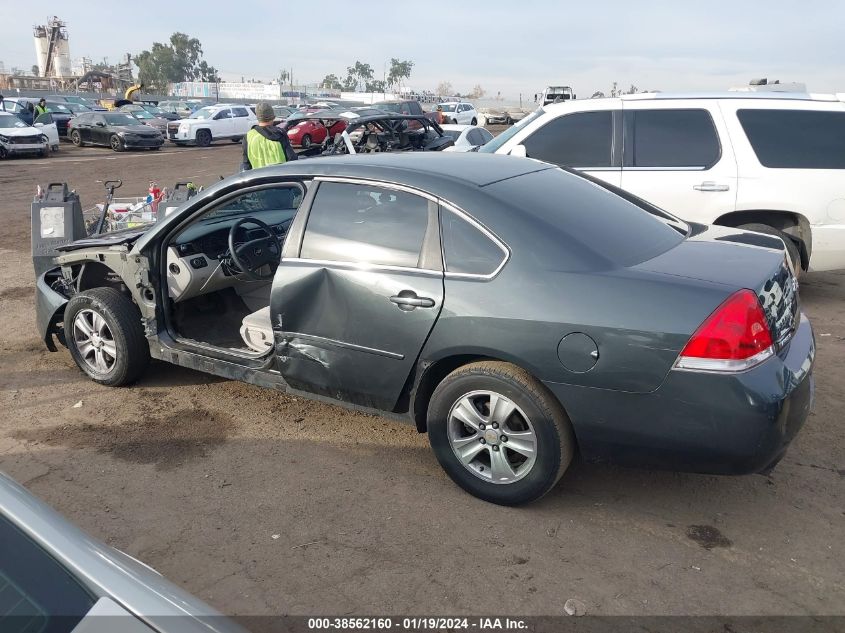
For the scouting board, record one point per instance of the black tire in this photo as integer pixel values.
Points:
(237, 139)
(123, 319)
(306, 141)
(509, 121)
(44, 153)
(203, 138)
(3, 153)
(474, 121)
(76, 138)
(116, 143)
(791, 246)
(156, 148)
(555, 440)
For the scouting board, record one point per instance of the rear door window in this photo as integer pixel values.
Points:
(796, 139)
(239, 112)
(582, 139)
(671, 139)
(366, 224)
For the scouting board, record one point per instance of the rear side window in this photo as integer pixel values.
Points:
(796, 139)
(466, 249)
(583, 139)
(568, 223)
(239, 112)
(367, 225)
(671, 138)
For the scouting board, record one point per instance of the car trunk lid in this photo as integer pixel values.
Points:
(721, 255)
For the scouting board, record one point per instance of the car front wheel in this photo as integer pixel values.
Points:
(76, 138)
(498, 433)
(105, 337)
(116, 143)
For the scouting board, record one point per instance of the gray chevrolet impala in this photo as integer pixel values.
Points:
(516, 312)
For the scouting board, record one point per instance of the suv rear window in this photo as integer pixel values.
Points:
(796, 139)
(670, 138)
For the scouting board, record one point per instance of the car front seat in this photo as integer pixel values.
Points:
(257, 330)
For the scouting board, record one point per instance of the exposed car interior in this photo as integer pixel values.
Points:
(220, 269)
(387, 134)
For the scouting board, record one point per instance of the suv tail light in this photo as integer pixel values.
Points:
(734, 338)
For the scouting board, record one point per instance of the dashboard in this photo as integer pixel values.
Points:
(194, 265)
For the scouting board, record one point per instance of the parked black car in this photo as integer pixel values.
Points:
(513, 310)
(117, 130)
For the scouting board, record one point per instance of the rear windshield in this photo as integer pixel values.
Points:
(578, 225)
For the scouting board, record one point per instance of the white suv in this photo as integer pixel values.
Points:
(462, 113)
(212, 123)
(766, 162)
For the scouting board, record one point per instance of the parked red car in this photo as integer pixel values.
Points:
(307, 132)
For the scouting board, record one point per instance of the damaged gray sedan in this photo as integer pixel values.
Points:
(516, 312)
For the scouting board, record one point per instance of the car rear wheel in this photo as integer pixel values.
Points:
(203, 138)
(116, 143)
(498, 433)
(791, 246)
(76, 138)
(105, 337)
(3, 153)
(306, 141)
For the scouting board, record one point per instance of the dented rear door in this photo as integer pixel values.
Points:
(352, 310)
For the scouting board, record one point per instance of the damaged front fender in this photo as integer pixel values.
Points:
(49, 311)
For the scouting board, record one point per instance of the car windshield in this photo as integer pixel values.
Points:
(448, 107)
(120, 118)
(152, 109)
(142, 114)
(59, 107)
(78, 107)
(11, 121)
(504, 137)
(77, 100)
(203, 113)
(452, 134)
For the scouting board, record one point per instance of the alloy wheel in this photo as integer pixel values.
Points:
(95, 341)
(492, 437)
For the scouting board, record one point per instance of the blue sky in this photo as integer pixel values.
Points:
(509, 47)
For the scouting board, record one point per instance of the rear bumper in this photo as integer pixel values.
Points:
(828, 247)
(700, 422)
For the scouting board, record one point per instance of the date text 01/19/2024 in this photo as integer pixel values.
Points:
(415, 624)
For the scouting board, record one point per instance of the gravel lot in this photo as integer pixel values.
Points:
(262, 503)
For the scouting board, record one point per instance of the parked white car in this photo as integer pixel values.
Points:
(466, 137)
(462, 112)
(212, 123)
(16, 137)
(48, 128)
(766, 162)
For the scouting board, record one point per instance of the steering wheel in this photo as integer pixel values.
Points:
(253, 255)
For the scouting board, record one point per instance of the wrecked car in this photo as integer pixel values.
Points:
(369, 131)
(515, 311)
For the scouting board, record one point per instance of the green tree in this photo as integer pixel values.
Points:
(399, 70)
(359, 73)
(331, 82)
(178, 60)
(376, 85)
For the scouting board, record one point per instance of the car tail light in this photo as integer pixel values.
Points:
(734, 338)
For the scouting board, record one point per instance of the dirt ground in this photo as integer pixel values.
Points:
(261, 503)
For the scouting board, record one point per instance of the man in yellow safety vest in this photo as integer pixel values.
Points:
(266, 144)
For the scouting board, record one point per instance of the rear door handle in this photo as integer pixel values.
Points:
(408, 300)
(709, 185)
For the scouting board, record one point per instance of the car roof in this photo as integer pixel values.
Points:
(457, 127)
(417, 168)
(681, 96)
